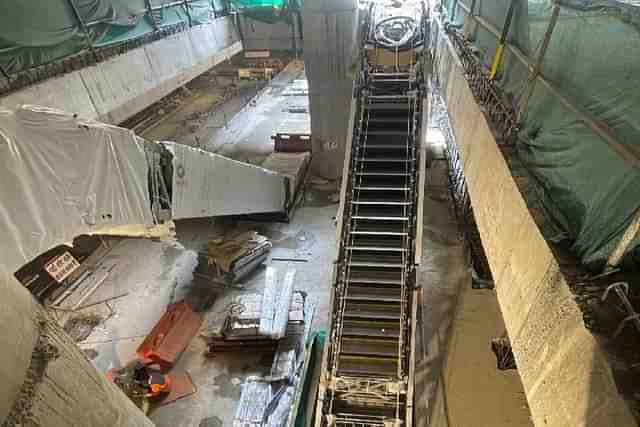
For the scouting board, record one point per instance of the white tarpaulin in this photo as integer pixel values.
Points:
(207, 184)
(61, 176)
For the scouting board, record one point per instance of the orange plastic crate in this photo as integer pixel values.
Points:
(170, 336)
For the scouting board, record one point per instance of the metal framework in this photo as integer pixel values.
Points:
(484, 88)
(367, 377)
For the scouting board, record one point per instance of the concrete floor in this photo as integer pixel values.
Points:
(158, 272)
(457, 382)
(310, 236)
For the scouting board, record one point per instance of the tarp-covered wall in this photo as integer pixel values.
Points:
(589, 189)
(61, 176)
(36, 32)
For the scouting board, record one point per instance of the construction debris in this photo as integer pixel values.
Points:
(257, 320)
(234, 258)
(80, 327)
(269, 401)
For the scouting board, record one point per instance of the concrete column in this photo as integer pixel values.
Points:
(330, 30)
(45, 381)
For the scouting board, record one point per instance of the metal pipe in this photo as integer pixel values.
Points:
(147, 9)
(599, 127)
(293, 35)
(85, 31)
(470, 11)
(538, 66)
(186, 9)
(623, 244)
(497, 59)
(150, 10)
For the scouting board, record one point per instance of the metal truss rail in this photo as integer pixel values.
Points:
(485, 90)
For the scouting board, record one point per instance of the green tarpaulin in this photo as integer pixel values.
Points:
(34, 32)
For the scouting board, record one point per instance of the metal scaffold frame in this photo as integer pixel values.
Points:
(367, 375)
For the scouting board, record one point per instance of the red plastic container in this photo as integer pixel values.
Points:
(171, 335)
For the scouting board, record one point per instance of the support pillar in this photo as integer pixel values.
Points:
(330, 56)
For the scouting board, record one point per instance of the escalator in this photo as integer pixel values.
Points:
(367, 377)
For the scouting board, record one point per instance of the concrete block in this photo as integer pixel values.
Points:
(203, 42)
(260, 35)
(208, 184)
(176, 47)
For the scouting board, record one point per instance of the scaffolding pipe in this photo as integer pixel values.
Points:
(85, 31)
(497, 59)
(538, 66)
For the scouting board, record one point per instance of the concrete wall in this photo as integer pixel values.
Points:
(330, 56)
(566, 377)
(114, 90)
(260, 35)
(64, 391)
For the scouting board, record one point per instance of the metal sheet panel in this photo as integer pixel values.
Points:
(208, 184)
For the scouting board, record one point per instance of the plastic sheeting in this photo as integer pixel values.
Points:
(331, 64)
(587, 188)
(61, 176)
(33, 32)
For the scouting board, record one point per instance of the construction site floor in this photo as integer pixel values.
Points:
(457, 381)
(232, 117)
